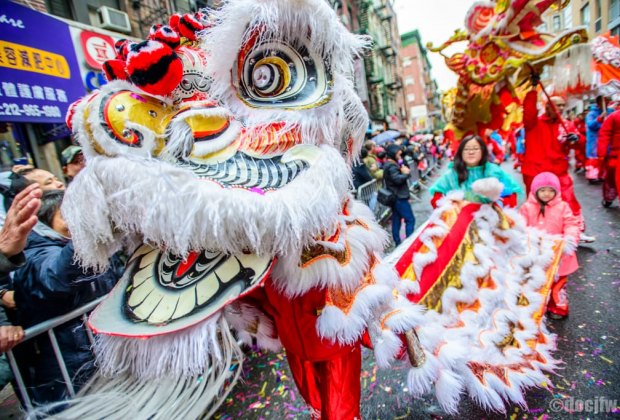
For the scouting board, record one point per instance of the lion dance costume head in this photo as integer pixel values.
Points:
(219, 156)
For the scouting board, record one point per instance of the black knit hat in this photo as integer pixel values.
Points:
(392, 150)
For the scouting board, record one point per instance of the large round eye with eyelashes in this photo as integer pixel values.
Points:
(275, 74)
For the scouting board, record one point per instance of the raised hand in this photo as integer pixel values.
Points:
(20, 219)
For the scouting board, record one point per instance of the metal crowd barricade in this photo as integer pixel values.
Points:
(48, 327)
(367, 194)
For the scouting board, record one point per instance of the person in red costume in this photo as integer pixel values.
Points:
(547, 141)
(327, 374)
(609, 149)
(579, 147)
(493, 141)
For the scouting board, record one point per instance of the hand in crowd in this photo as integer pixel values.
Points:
(20, 219)
(10, 336)
(405, 170)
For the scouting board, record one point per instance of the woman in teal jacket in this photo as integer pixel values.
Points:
(471, 164)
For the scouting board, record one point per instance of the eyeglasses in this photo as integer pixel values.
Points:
(471, 150)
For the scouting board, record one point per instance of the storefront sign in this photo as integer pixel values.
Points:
(92, 49)
(39, 75)
(97, 48)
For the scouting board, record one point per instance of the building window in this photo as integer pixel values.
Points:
(406, 62)
(585, 15)
(543, 27)
(567, 16)
(409, 81)
(615, 31)
(598, 24)
(614, 9)
(60, 8)
(410, 97)
(557, 23)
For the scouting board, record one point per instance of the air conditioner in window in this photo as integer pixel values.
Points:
(113, 19)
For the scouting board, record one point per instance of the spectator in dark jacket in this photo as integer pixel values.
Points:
(396, 178)
(361, 174)
(51, 284)
(19, 220)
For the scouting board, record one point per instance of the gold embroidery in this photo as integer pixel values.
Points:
(451, 276)
(344, 300)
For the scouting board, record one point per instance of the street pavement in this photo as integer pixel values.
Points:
(588, 343)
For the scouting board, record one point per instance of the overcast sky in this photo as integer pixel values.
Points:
(436, 20)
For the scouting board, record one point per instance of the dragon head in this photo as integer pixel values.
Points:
(222, 140)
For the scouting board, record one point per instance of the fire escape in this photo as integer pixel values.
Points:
(389, 50)
(150, 12)
(373, 61)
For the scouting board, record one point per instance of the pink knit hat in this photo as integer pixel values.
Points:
(546, 179)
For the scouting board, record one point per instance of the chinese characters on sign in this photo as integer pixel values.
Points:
(92, 49)
(97, 48)
(26, 91)
(21, 57)
(39, 74)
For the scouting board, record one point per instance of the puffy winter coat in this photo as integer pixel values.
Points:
(51, 284)
(558, 219)
(609, 139)
(449, 181)
(395, 180)
(361, 175)
(594, 121)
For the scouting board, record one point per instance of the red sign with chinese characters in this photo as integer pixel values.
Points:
(97, 48)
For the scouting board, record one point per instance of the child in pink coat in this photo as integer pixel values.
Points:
(546, 211)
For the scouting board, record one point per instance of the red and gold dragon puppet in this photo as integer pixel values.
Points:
(218, 158)
(502, 36)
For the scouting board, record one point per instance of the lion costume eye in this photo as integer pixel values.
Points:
(275, 74)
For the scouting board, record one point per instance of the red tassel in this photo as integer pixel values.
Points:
(188, 26)
(154, 67)
(167, 35)
(114, 70)
(122, 48)
(174, 21)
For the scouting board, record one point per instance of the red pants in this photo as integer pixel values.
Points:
(579, 148)
(593, 169)
(558, 301)
(331, 388)
(617, 170)
(610, 193)
(568, 193)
